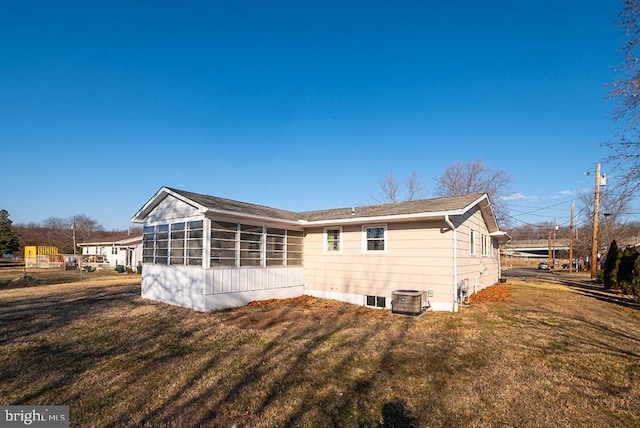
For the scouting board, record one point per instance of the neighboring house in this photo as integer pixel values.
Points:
(111, 254)
(209, 253)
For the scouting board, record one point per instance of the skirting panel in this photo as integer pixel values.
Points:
(214, 302)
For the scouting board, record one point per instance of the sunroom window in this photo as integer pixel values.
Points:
(250, 245)
(223, 243)
(176, 244)
(275, 247)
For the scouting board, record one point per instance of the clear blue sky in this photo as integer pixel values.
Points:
(298, 105)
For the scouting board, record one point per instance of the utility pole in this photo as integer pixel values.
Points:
(550, 252)
(555, 228)
(73, 228)
(571, 241)
(594, 239)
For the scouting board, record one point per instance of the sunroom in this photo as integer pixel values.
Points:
(209, 253)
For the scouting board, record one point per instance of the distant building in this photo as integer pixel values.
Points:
(110, 254)
(43, 257)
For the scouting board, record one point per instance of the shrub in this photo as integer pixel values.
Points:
(626, 269)
(611, 265)
(635, 283)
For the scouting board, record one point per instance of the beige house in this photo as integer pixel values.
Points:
(209, 253)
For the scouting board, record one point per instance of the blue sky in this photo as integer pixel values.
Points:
(298, 105)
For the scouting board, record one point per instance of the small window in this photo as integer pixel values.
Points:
(472, 239)
(333, 240)
(486, 245)
(374, 239)
(377, 301)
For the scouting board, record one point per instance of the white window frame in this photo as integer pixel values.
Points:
(327, 250)
(377, 300)
(385, 238)
(152, 248)
(485, 245)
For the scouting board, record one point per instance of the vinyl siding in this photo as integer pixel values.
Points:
(419, 256)
(171, 208)
(479, 270)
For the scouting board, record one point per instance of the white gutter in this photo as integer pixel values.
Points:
(455, 261)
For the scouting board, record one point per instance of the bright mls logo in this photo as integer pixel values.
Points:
(34, 416)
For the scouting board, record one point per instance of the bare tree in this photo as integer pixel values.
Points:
(414, 188)
(614, 205)
(56, 223)
(390, 189)
(626, 92)
(474, 177)
(86, 227)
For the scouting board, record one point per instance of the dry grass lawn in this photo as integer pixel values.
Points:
(525, 354)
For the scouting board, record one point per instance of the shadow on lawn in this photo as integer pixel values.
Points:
(163, 368)
(324, 389)
(38, 315)
(395, 414)
(597, 291)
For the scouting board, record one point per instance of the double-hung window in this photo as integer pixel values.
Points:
(374, 239)
(333, 240)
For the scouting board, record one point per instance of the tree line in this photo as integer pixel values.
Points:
(54, 231)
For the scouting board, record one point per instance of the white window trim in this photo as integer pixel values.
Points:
(485, 245)
(364, 239)
(326, 247)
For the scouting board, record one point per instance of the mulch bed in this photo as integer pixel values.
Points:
(495, 293)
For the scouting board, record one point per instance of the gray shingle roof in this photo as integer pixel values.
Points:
(443, 204)
(433, 205)
(229, 205)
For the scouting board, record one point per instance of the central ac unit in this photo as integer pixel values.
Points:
(408, 302)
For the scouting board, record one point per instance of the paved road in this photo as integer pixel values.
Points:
(563, 276)
(580, 282)
(526, 272)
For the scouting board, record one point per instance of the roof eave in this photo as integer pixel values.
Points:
(235, 214)
(501, 236)
(383, 218)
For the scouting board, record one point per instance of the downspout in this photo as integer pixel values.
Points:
(447, 220)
